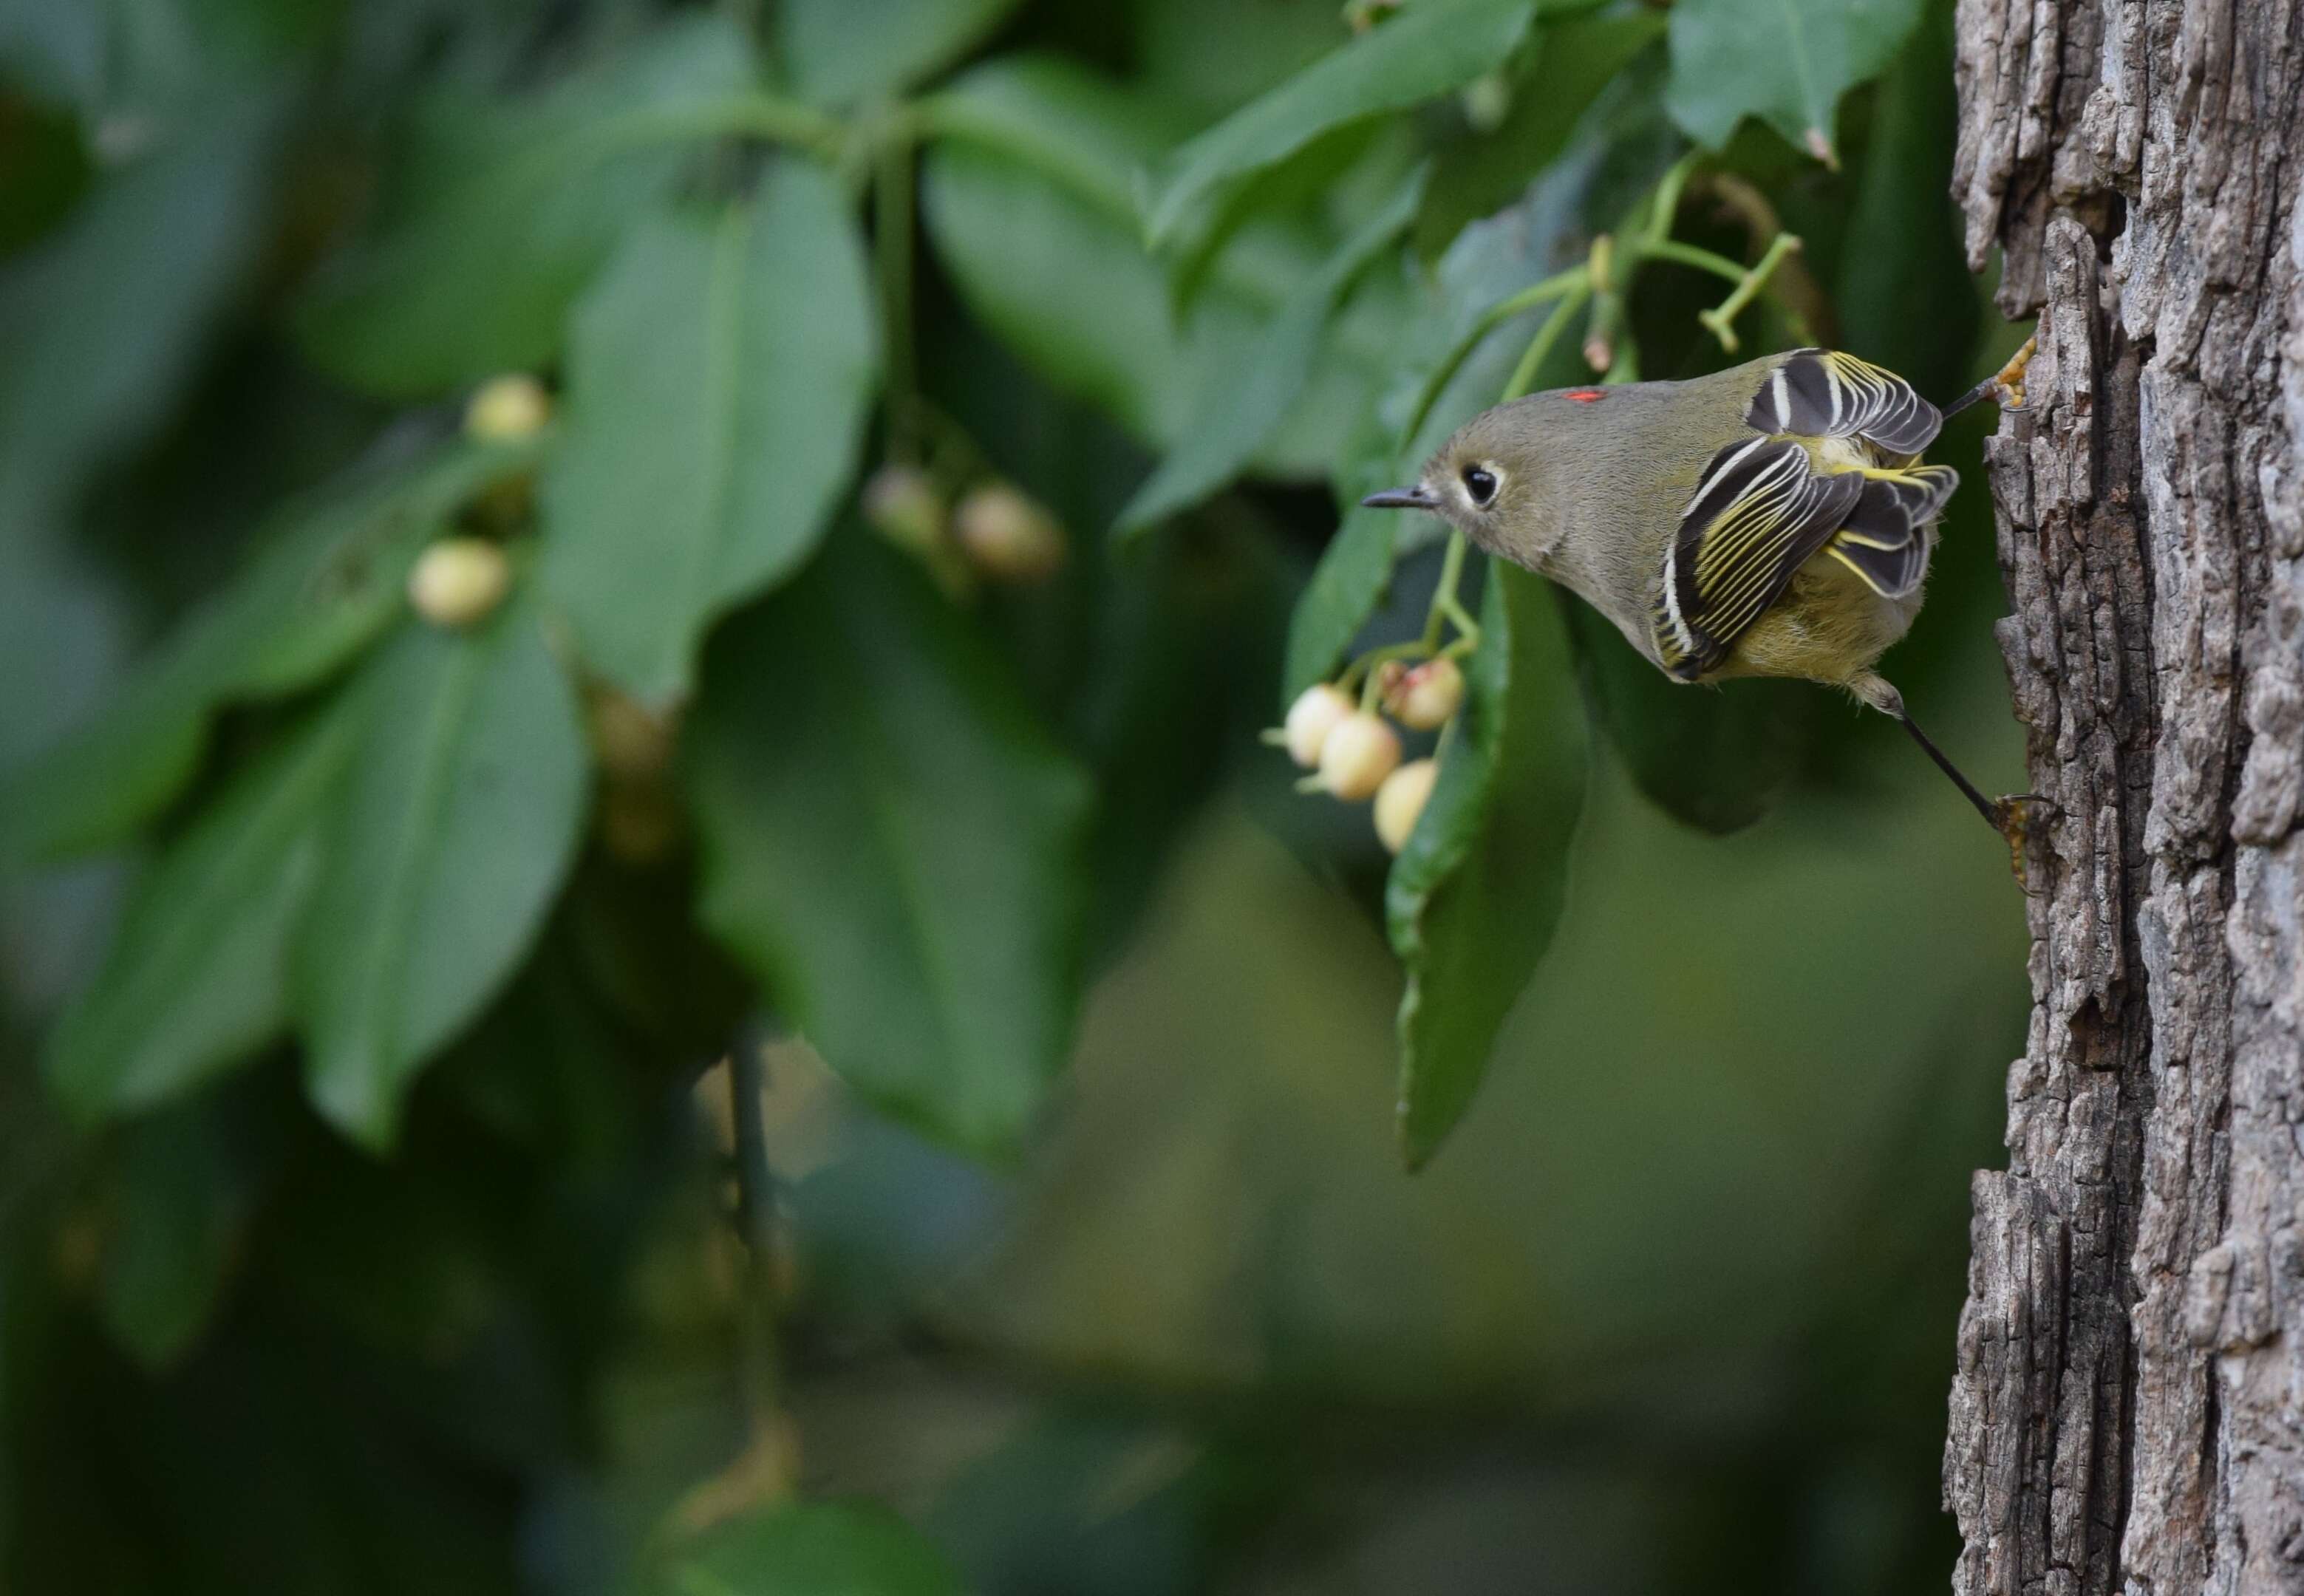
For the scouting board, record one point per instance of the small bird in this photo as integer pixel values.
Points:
(1771, 519)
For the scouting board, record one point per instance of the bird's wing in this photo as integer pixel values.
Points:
(1759, 513)
(1823, 394)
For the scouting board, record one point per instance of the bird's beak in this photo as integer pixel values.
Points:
(1403, 498)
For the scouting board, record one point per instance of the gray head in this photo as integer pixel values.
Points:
(1490, 481)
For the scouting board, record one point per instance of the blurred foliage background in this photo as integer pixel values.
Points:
(777, 1028)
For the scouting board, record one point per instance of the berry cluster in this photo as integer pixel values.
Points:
(461, 579)
(1356, 752)
(993, 530)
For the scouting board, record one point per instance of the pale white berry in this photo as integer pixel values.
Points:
(1428, 696)
(1400, 800)
(1316, 712)
(902, 505)
(1358, 755)
(506, 409)
(459, 580)
(1007, 536)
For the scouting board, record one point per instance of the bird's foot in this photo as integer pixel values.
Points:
(2014, 816)
(2008, 382)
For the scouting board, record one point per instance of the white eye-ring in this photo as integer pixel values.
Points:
(1481, 484)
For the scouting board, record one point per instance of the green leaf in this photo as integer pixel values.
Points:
(195, 979)
(1787, 62)
(508, 212)
(720, 375)
(1489, 261)
(813, 1549)
(1328, 174)
(1572, 64)
(1474, 896)
(1025, 200)
(1079, 132)
(57, 50)
(100, 328)
(1429, 50)
(328, 582)
(1349, 582)
(1718, 759)
(841, 50)
(1251, 398)
(1062, 285)
(892, 845)
(445, 845)
(1913, 306)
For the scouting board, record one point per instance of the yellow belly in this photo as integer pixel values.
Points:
(1828, 627)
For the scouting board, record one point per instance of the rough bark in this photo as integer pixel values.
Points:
(2128, 1413)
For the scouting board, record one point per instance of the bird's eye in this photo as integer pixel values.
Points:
(1481, 484)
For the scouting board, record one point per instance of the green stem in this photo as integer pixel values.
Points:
(1750, 285)
(1608, 305)
(1444, 609)
(892, 248)
(1369, 691)
(1367, 663)
(766, 116)
(1704, 260)
(1570, 282)
(1460, 619)
(1667, 202)
(1523, 376)
(1452, 566)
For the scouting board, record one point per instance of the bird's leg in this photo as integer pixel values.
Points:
(2009, 816)
(1997, 812)
(2005, 386)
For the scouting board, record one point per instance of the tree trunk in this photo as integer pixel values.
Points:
(2128, 1413)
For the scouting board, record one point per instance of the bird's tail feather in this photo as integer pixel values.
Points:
(1883, 541)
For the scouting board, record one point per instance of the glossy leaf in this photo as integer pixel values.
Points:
(1716, 758)
(504, 216)
(1429, 50)
(1571, 63)
(1787, 62)
(444, 847)
(1489, 261)
(720, 377)
(1474, 896)
(1063, 286)
(1912, 308)
(1079, 132)
(1349, 582)
(99, 327)
(1252, 397)
(1351, 160)
(841, 50)
(196, 978)
(1025, 200)
(892, 845)
(814, 1548)
(328, 581)
(59, 50)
